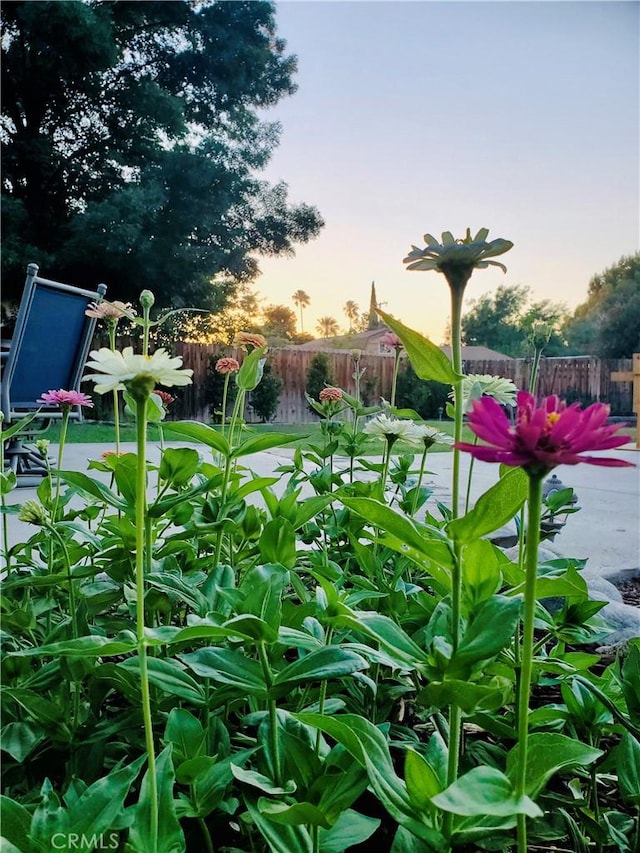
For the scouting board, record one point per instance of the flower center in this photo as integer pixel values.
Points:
(552, 418)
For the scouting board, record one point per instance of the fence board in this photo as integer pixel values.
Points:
(584, 379)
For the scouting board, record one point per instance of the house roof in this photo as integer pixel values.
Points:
(345, 343)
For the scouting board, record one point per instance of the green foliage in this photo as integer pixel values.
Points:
(608, 323)
(319, 375)
(508, 323)
(424, 396)
(265, 397)
(133, 139)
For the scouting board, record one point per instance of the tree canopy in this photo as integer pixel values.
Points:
(608, 323)
(509, 323)
(132, 136)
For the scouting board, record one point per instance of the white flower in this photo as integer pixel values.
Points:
(428, 435)
(477, 385)
(385, 427)
(117, 368)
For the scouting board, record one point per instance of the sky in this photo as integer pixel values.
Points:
(415, 117)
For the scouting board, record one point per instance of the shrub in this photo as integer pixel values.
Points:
(425, 396)
(215, 389)
(319, 375)
(265, 397)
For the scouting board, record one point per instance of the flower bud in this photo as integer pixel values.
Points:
(33, 513)
(147, 299)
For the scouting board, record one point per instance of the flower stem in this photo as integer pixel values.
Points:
(116, 406)
(273, 715)
(223, 417)
(394, 383)
(420, 478)
(63, 439)
(141, 512)
(531, 576)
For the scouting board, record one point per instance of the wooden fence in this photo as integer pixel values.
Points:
(584, 379)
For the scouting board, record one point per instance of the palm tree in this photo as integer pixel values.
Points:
(352, 310)
(301, 299)
(327, 326)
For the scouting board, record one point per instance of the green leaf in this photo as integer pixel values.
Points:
(466, 695)
(325, 663)
(126, 476)
(15, 822)
(20, 739)
(350, 830)
(170, 835)
(257, 443)
(250, 373)
(547, 754)
(484, 791)
(493, 509)
(428, 360)
(97, 808)
(201, 433)
(178, 465)
(493, 626)
(168, 676)
(90, 646)
(42, 710)
(421, 780)
(280, 838)
(628, 764)
(297, 814)
(385, 631)
(227, 666)
(263, 783)
(94, 488)
(277, 543)
(185, 732)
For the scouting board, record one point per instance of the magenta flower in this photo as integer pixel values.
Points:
(544, 436)
(65, 398)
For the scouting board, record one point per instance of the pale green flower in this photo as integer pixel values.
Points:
(33, 513)
(477, 385)
(456, 259)
(116, 369)
(389, 428)
(428, 436)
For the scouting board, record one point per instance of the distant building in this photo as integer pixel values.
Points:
(370, 343)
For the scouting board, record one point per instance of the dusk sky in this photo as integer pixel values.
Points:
(414, 117)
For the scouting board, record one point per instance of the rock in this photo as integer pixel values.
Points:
(624, 619)
(601, 589)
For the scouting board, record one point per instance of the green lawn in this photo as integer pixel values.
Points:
(94, 432)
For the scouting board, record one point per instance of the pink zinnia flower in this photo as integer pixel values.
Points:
(167, 399)
(544, 436)
(227, 365)
(65, 398)
(109, 310)
(330, 395)
(391, 341)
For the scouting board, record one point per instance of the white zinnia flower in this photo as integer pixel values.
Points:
(385, 427)
(429, 435)
(477, 385)
(117, 368)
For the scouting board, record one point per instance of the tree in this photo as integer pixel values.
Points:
(301, 300)
(131, 141)
(319, 375)
(352, 311)
(279, 323)
(265, 396)
(507, 322)
(327, 327)
(608, 323)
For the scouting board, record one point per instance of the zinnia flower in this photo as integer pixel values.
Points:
(166, 398)
(457, 259)
(249, 341)
(389, 428)
(65, 398)
(544, 436)
(32, 512)
(116, 369)
(109, 310)
(476, 385)
(227, 365)
(430, 435)
(391, 341)
(330, 395)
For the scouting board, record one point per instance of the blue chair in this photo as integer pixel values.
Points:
(48, 350)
